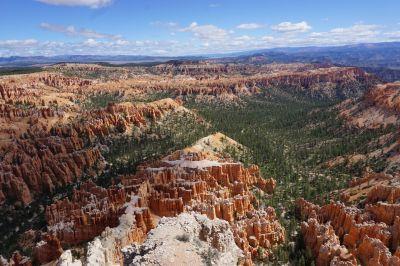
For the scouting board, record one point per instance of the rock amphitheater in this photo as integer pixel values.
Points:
(196, 205)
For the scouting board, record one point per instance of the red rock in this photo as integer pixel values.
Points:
(90, 211)
(41, 161)
(47, 250)
(16, 260)
(219, 191)
(368, 233)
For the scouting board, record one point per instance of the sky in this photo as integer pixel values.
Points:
(189, 27)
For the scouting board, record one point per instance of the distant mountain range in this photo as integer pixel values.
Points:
(382, 59)
(385, 54)
(27, 61)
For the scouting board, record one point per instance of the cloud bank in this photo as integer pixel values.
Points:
(196, 39)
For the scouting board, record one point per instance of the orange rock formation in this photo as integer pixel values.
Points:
(371, 235)
(190, 180)
(41, 160)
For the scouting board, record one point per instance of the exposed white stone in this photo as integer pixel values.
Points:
(188, 239)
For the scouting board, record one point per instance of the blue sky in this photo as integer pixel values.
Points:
(181, 27)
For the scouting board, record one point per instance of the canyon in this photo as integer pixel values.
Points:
(129, 165)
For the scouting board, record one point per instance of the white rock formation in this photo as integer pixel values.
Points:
(188, 239)
(66, 259)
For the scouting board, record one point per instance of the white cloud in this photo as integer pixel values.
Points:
(394, 35)
(207, 32)
(289, 27)
(360, 30)
(214, 5)
(72, 31)
(206, 39)
(90, 42)
(88, 3)
(244, 38)
(122, 42)
(249, 26)
(267, 38)
(18, 43)
(353, 34)
(90, 47)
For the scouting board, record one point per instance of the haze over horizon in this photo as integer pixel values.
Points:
(176, 27)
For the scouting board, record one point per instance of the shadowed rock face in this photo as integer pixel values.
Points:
(48, 249)
(337, 233)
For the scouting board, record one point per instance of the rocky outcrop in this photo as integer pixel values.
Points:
(60, 81)
(16, 259)
(372, 251)
(66, 259)
(30, 88)
(197, 179)
(133, 228)
(200, 180)
(379, 107)
(189, 239)
(40, 164)
(47, 250)
(40, 161)
(388, 193)
(109, 216)
(325, 244)
(87, 214)
(258, 233)
(371, 234)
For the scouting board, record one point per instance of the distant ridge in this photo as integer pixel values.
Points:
(26, 61)
(382, 59)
